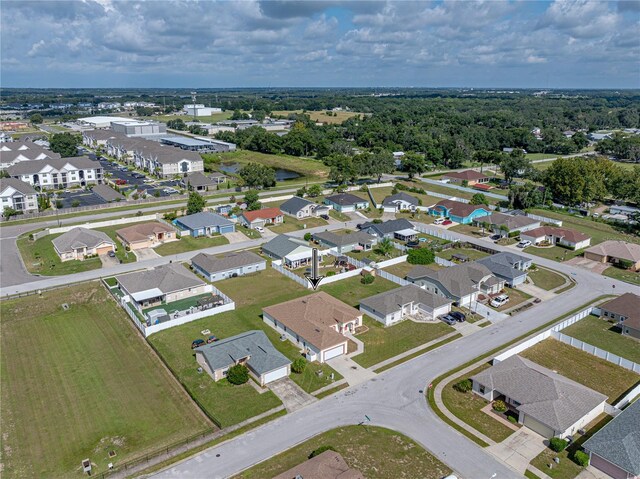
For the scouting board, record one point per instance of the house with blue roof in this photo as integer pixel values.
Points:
(458, 211)
(205, 224)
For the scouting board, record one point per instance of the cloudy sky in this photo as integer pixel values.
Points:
(119, 43)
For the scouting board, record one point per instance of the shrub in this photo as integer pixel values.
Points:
(513, 234)
(307, 236)
(420, 256)
(499, 406)
(557, 444)
(330, 273)
(320, 450)
(367, 279)
(377, 221)
(512, 419)
(299, 365)
(238, 374)
(581, 458)
(624, 264)
(463, 386)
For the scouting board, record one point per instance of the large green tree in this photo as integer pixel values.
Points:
(252, 199)
(414, 164)
(256, 175)
(66, 144)
(195, 203)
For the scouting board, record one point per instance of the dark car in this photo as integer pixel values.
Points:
(211, 339)
(448, 319)
(138, 176)
(495, 237)
(111, 254)
(325, 217)
(197, 343)
(458, 316)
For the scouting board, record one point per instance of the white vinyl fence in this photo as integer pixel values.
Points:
(276, 264)
(438, 233)
(545, 219)
(392, 277)
(629, 397)
(444, 262)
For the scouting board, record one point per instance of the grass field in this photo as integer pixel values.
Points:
(472, 253)
(216, 117)
(632, 277)
(294, 224)
(467, 407)
(382, 343)
(351, 290)
(376, 452)
(321, 116)
(545, 278)
(81, 382)
(605, 335)
(189, 243)
(595, 373)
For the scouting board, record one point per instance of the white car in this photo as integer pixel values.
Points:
(259, 229)
(524, 244)
(439, 221)
(499, 300)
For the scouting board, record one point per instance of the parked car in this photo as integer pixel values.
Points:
(325, 217)
(259, 229)
(458, 316)
(524, 244)
(499, 300)
(495, 237)
(439, 221)
(197, 343)
(447, 222)
(111, 254)
(211, 339)
(138, 175)
(447, 318)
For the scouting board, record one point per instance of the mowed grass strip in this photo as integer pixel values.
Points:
(375, 451)
(189, 243)
(80, 383)
(595, 373)
(546, 279)
(605, 335)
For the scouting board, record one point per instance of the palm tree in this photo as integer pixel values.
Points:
(385, 246)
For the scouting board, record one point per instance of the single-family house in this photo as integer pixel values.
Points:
(504, 224)
(400, 202)
(400, 228)
(293, 252)
(346, 202)
(328, 465)
(261, 218)
(146, 235)
(215, 268)
(343, 243)
(198, 181)
(78, 243)
(461, 283)
(545, 402)
(555, 235)
(302, 208)
(624, 309)
(615, 449)
(251, 349)
(510, 267)
(317, 323)
(615, 252)
(163, 284)
(205, 224)
(458, 211)
(398, 304)
(17, 195)
(470, 176)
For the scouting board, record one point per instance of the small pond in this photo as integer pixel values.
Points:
(281, 174)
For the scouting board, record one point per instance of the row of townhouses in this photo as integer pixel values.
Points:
(15, 152)
(57, 173)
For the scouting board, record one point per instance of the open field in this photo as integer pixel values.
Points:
(605, 335)
(294, 224)
(351, 290)
(216, 117)
(336, 117)
(80, 383)
(382, 343)
(189, 243)
(376, 452)
(545, 278)
(588, 370)
(472, 253)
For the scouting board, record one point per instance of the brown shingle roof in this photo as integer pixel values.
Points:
(312, 318)
(142, 232)
(469, 175)
(617, 249)
(328, 465)
(572, 236)
(627, 305)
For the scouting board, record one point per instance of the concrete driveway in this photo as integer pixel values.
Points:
(291, 395)
(235, 237)
(145, 253)
(350, 370)
(519, 449)
(108, 261)
(594, 266)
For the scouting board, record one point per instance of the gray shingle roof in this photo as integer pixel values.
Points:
(199, 179)
(107, 193)
(80, 238)
(35, 166)
(392, 301)
(16, 184)
(167, 278)
(282, 245)
(203, 219)
(346, 199)
(459, 280)
(619, 441)
(263, 356)
(402, 196)
(344, 240)
(544, 395)
(514, 223)
(213, 264)
(295, 204)
(500, 264)
(387, 227)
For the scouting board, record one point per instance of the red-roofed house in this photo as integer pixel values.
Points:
(263, 217)
(557, 236)
(470, 176)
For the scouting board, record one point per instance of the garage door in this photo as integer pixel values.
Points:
(333, 352)
(537, 426)
(274, 375)
(104, 250)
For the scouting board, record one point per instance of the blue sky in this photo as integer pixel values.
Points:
(192, 44)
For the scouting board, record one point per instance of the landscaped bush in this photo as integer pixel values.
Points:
(581, 458)
(320, 450)
(513, 234)
(512, 419)
(499, 406)
(557, 444)
(307, 236)
(238, 374)
(367, 279)
(330, 273)
(624, 264)
(420, 256)
(463, 386)
(299, 365)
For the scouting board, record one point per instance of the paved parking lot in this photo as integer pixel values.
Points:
(79, 198)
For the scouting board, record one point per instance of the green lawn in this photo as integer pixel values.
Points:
(248, 232)
(336, 117)
(554, 253)
(516, 297)
(593, 372)
(214, 118)
(382, 343)
(401, 269)
(472, 253)
(351, 290)
(469, 230)
(541, 156)
(376, 452)
(605, 335)
(546, 278)
(293, 224)
(81, 382)
(375, 254)
(189, 243)
(467, 407)
(338, 215)
(623, 275)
